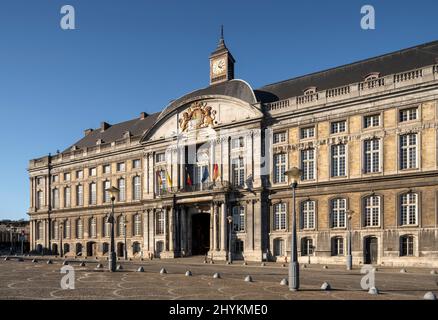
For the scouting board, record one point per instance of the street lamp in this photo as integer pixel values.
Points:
(126, 250)
(230, 223)
(61, 235)
(294, 269)
(349, 256)
(113, 191)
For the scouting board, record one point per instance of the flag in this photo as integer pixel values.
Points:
(159, 181)
(205, 174)
(169, 180)
(189, 180)
(215, 172)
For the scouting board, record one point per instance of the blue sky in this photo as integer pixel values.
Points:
(131, 56)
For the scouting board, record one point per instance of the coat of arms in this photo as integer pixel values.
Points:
(198, 115)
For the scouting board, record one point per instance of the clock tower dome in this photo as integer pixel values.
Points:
(221, 63)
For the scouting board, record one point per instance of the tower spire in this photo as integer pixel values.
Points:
(221, 43)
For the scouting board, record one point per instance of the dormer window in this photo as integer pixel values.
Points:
(99, 142)
(372, 76)
(309, 91)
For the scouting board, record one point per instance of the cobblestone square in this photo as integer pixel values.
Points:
(39, 280)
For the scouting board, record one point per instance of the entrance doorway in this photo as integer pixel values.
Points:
(371, 250)
(200, 234)
(91, 249)
(120, 249)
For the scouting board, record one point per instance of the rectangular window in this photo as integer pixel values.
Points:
(137, 225)
(372, 155)
(338, 246)
(307, 133)
(93, 194)
(39, 181)
(279, 168)
(371, 121)
(279, 137)
(137, 188)
(80, 195)
(338, 127)
(160, 157)
(92, 172)
(160, 220)
(237, 143)
(308, 164)
(106, 194)
(409, 209)
(67, 197)
(67, 176)
(136, 164)
(122, 189)
(55, 178)
(372, 211)
(338, 160)
(407, 246)
(239, 219)
(55, 198)
(308, 214)
(106, 169)
(338, 214)
(280, 216)
(121, 167)
(238, 168)
(306, 246)
(408, 114)
(408, 152)
(79, 174)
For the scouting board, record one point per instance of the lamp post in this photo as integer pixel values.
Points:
(294, 269)
(349, 256)
(11, 234)
(126, 250)
(61, 235)
(230, 224)
(113, 191)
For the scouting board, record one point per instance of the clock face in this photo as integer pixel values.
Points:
(219, 66)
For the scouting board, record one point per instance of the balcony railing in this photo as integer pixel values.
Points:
(198, 187)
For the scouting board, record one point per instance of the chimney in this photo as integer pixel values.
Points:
(143, 115)
(87, 132)
(104, 126)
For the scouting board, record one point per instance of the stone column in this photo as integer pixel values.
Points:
(215, 227)
(171, 229)
(223, 223)
(189, 233)
(183, 233)
(211, 228)
(165, 229)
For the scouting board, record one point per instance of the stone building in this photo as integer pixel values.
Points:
(210, 168)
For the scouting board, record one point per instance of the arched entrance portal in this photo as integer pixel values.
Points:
(200, 234)
(120, 249)
(370, 250)
(91, 249)
(55, 249)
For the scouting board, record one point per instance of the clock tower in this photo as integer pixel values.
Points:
(221, 63)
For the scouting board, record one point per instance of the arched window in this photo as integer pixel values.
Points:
(121, 187)
(55, 230)
(306, 246)
(136, 248)
(93, 227)
(409, 209)
(79, 229)
(279, 249)
(280, 216)
(55, 198)
(372, 211)
(406, 246)
(106, 194)
(309, 91)
(136, 188)
(338, 213)
(121, 226)
(105, 248)
(337, 246)
(308, 214)
(137, 225)
(80, 195)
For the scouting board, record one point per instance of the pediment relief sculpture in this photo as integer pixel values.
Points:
(198, 115)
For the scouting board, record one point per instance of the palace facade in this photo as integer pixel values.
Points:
(207, 173)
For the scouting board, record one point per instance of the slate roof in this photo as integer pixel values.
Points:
(396, 62)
